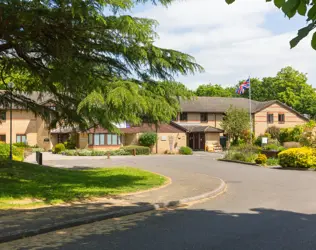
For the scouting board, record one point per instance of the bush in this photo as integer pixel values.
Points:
(97, 153)
(140, 150)
(59, 148)
(70, 152)
(148, 139)
(84, 152)
(298, 158)
(17, 153)
(119, 152)
(274, 132)
(261, 159)
(37, 150)
(291, 134)
(239, 157)
(21, 145)
(273, 147)
(273, 161)
(185, 151)
(246, 148)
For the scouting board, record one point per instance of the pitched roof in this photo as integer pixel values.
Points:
(222, 104)
(163, 128)
(201, 128)
(217, 104)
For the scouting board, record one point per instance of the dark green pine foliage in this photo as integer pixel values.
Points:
(98, 68)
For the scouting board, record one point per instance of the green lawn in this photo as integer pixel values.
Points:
(27, 185)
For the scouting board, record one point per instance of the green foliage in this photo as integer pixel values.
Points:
(17, 153)
(272, 162)
(148, 139)
(291, 134)
(301, 7)
(140, 150)
(246, 148)
(59, 148)
(298, 158)
(185, 151)
(37, 150)
(71, 142)
(235, 122)
(90, 61)
(261, 159)
(21, 145)
(308, 137)
(246, 153)
(274, 147)
(215, 90)
(274, 132)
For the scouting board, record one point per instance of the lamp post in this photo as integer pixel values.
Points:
(11, 85)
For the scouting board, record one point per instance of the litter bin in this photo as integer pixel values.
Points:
(39, 158)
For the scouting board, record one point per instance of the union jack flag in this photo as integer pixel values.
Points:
(243, 86)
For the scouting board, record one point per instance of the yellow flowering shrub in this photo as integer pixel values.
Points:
(298, 158)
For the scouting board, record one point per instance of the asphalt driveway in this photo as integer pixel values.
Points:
(262, 209)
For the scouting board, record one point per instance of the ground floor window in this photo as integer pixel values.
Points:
(3, 138)
(104, 139)
(21, 138)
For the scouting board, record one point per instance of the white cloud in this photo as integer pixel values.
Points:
(230, 42)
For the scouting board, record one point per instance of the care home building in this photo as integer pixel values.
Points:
(202, 118)
(198, 126)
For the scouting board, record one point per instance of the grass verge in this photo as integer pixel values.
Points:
(28, 185)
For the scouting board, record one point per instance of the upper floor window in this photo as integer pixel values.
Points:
(281, 118)
(3, 115)
(2, 138)
(203, 117)
(270, 118)
(103, 139)
(21, 138)
(183, 116)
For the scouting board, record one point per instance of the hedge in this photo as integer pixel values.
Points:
(17, 153)
(298, 158)
(140, 150)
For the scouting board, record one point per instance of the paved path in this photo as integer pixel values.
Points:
(262, 209)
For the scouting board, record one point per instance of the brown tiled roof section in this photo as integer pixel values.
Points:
(163, 128)
(199, 128)
(219, 104)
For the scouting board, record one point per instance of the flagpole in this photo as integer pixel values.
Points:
(250, 113)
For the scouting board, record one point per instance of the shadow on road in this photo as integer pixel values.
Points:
(259, 228)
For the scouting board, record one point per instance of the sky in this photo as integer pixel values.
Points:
(231, 42)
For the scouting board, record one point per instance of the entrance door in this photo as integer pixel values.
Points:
(197, 141)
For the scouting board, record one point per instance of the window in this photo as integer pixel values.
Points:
(21, 138)
(90, 139)
(103, 139)
(204, 117)
(2, 138)
(3, 115)
(99, 139)
(281, 118)
(183, 116)
(270, 118)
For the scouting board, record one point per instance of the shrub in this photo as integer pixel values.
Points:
(21, 145)
(37, 150)
(273, 161)
(261, 159)
(298, 158)
(59, 148)
(140, 150)
(17, 153)
(274, 132)
(71, 152)
(84, 152)
(148, 139)
(291, 134)
(246, 148)
(239, 156)
(273, 147)
(119, 152)
(185, 151)
(97, 153)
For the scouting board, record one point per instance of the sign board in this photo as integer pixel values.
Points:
(264, 140)
(163, 138)
(46, 139)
